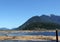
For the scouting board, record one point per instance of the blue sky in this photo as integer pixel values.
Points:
(14, 13)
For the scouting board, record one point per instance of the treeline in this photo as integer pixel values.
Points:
(39, 26)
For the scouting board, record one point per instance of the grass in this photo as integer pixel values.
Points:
(35, 37)
(27, 38)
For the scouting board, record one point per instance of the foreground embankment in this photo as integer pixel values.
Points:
(28, 38)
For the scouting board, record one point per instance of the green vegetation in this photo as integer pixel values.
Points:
(41, 23)
(39, 26)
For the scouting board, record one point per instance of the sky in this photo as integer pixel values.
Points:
(14, 13)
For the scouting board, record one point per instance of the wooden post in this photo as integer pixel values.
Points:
(56, 35)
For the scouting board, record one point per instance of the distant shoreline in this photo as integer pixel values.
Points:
(29, 30)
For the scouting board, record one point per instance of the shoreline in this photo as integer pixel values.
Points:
(28, 30)
(32, 37)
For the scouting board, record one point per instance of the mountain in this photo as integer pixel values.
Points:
(41, 22)
(4, 29)
(55, 18)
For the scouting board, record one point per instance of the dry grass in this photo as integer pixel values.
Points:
(28, 38)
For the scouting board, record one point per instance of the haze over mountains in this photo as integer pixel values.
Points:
(4, 28)
(40, 22)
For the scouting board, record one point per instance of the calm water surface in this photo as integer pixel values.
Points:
(23, 41)
(29, 33)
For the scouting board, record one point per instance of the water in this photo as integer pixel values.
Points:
(25, 34)
(29, 33)
(23, 41)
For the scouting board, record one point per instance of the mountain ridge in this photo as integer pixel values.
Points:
(44, 19)
(4, 28)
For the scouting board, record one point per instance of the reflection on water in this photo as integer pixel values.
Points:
(23, 41)
(28, 33)
(25, 34)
